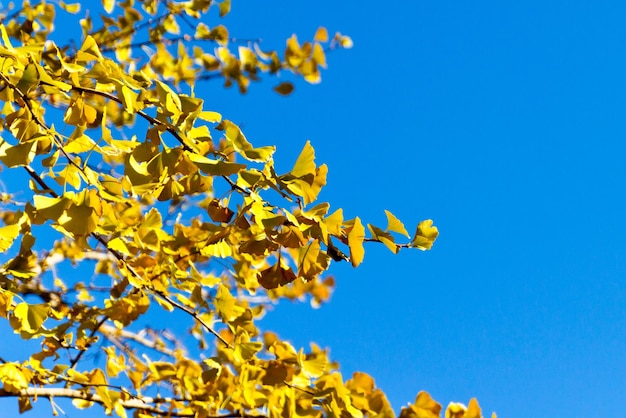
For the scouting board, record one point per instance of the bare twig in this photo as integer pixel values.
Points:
(142, 404)
(195, 316)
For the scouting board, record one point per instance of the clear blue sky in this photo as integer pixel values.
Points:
(503, 122)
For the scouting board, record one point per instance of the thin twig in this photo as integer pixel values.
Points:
(142, 404)
(91, 335)
(195, 316)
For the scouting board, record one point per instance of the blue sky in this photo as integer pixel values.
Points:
(505, 124)
(502, 122)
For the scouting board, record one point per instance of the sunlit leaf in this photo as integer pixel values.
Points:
(7, 236)
(31, 317)
(305, 164)
(321, 35)
(224, 6)
(425, 235)
(394, 224)
(70, 8)
(236, 138)
(355, 242)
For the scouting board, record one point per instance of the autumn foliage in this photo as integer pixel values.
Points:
(126, 199)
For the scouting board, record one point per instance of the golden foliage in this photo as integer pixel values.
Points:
(172, 204)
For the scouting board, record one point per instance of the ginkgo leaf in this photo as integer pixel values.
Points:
(383, 237)
(276, 373)
(226, 305)
(473, 409)
(224, 7)
(109, 5)
(29, 80)
(82, 143)
(19, 155)
(237, 139)
(213, 117)
(425, 235)
(321, 35)
(276, 276)
(14, 377)
(31, 317)
(305, 164)
(313, 367)
(424, 407)
(285, 88)
(89, 50)
(218, 213)
(70, 8)
(7, 236)
(215, 167)
(117, 244)
(50, 207)
(246, 351)
(455, 410)
(394, 224)
(355, 242)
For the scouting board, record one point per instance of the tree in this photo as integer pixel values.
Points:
(175, 211)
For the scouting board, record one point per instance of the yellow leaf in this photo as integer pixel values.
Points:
(31, 317)
(293, 53)
(7, 236)
(321, 35)
(305, 164)
(394, 224)
(426, 407)
(169, 99)
(115, 364)
(30, 79)
(128, 98)
(455, 410)
(80, 144)
(224, 7)
(334, 221)
(246, 351)
(109, 5)
(236, 138)
(213, 117)
(319, 57)
(384, 237)
(18, 155)
(313, 367)
(345, 42)
(89, 51)
(248, 58)
(50, 207)
(311, 72)
(425, 235)
(13, 377)
(117, 244)
(214, 167)
(170, 25)
(355, 242)
(70, 8)
(473, 410)
(226, 305)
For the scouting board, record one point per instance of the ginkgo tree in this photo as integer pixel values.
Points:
(112, 164)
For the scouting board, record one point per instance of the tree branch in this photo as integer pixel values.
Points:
(143, 404)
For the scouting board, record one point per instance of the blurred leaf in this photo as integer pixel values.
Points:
(285, 88)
